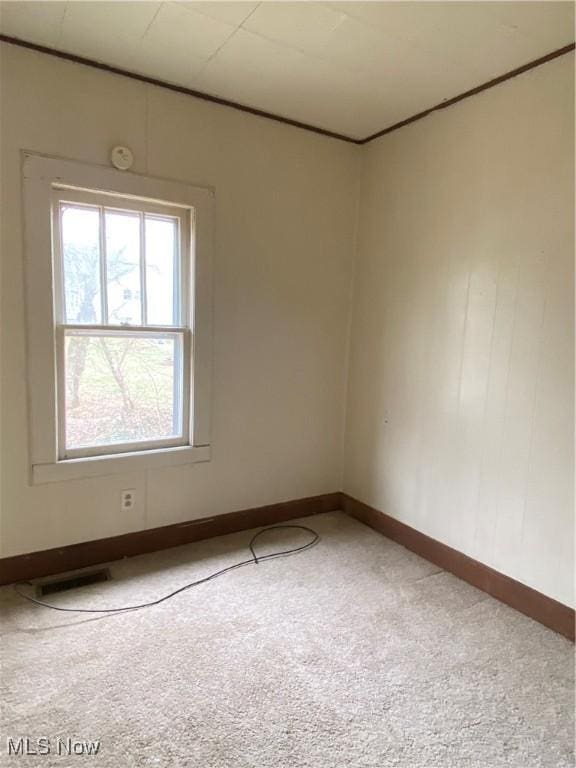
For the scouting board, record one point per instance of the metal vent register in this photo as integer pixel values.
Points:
(73, 581)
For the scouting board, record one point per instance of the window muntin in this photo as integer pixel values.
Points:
(123, 330)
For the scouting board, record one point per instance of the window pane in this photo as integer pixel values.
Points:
(123, 268)
(137, 377)
(161, 271)
(81, 263)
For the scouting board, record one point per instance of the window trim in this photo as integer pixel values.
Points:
(41, 175)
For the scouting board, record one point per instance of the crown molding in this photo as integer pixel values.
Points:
(280, 118)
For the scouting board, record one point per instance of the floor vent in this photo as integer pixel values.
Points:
(73, 582)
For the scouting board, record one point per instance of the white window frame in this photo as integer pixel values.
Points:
(45, 181)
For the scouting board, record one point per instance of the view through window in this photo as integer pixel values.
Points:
(123, 332)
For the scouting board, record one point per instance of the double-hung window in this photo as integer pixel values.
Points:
(119, 355)
(123, 332)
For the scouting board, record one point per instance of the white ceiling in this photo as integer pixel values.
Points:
(350, 67)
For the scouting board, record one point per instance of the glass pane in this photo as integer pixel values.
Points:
(138, 377)
(123, 268)
(80, 228)
(161, 271)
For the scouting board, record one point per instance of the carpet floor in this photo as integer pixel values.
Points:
(354, 654)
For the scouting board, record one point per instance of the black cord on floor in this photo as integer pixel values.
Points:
(254, 560)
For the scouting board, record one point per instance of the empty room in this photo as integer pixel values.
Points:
(287, 384)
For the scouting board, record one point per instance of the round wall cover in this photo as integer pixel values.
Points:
(122, 158)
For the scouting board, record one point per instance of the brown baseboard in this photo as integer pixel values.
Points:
(544, 609)
(61, 559)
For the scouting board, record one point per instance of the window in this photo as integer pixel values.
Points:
(122, 323)
(119, 367)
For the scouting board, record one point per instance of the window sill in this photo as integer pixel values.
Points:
(97, 466)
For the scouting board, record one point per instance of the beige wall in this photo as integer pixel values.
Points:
(285, 208)
(460, 409)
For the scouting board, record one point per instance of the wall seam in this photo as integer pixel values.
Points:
(350, 319)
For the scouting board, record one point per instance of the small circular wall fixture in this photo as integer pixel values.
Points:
(122, 158)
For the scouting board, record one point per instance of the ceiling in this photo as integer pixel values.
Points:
(350, 67)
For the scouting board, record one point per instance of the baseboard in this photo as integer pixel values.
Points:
(69, 558)
(543, 609)
(534, 604)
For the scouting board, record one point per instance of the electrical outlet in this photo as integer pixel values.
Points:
(127, 499)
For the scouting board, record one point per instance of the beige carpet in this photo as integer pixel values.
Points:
(355, 654)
